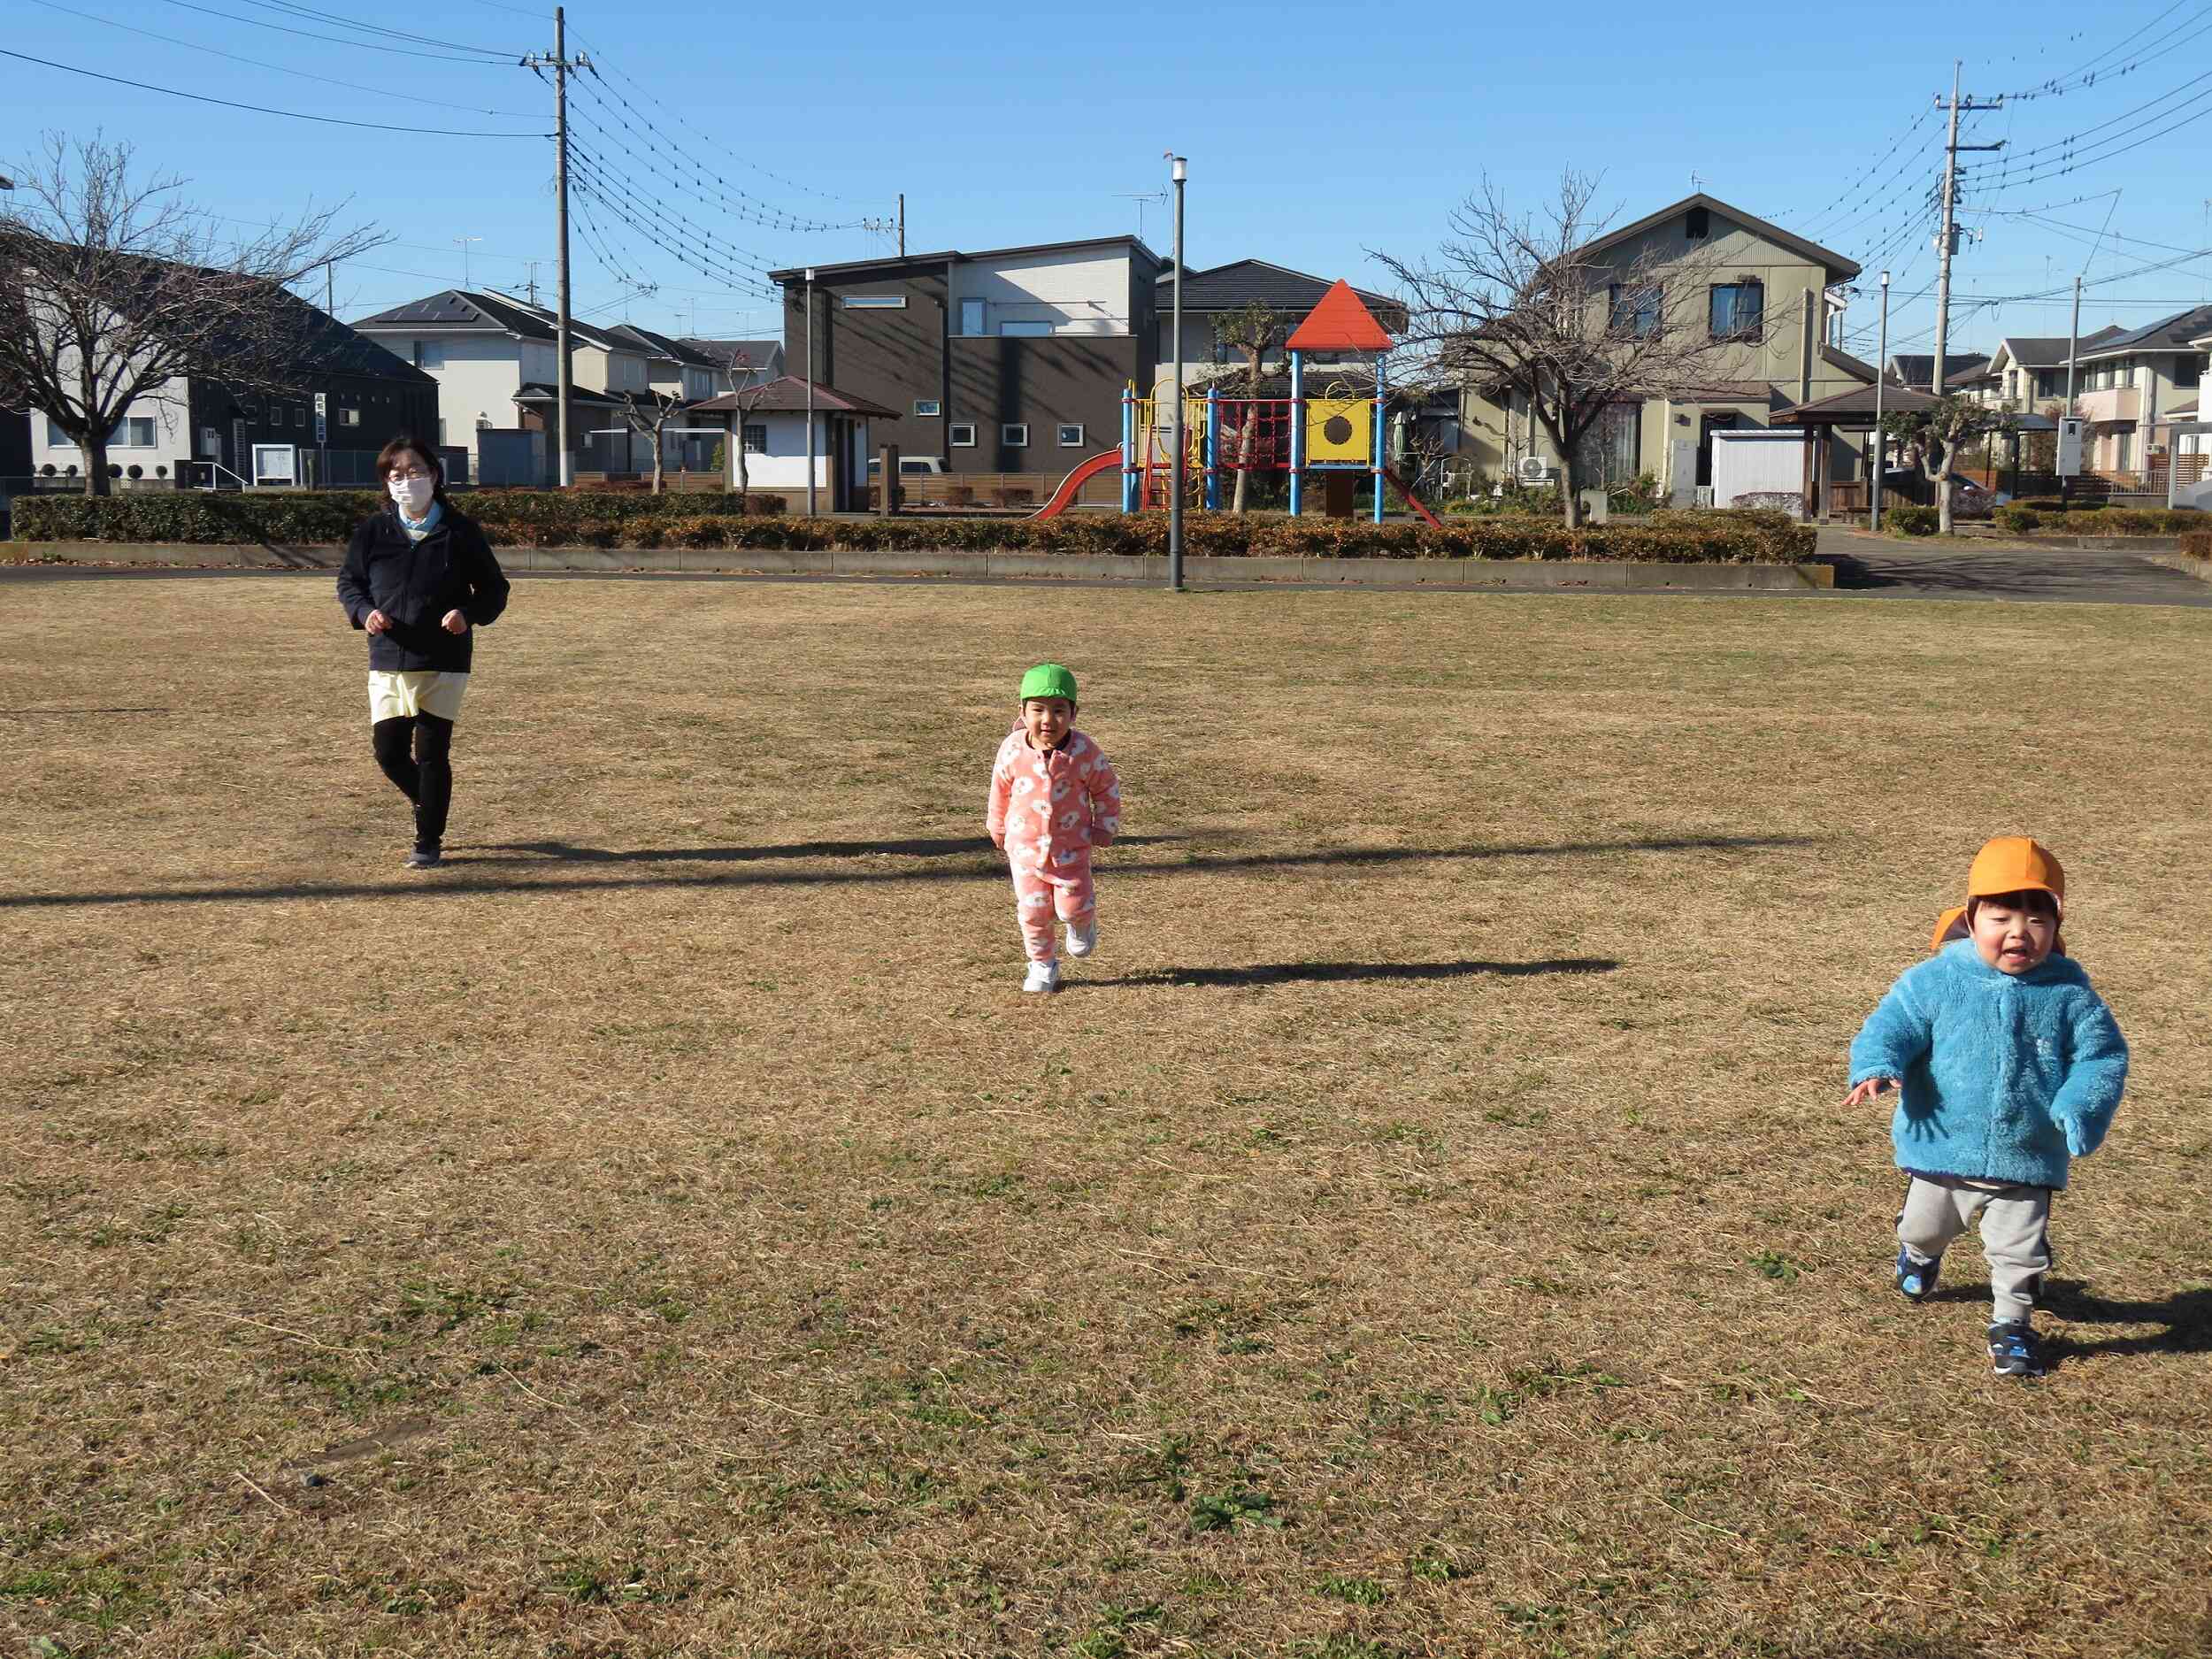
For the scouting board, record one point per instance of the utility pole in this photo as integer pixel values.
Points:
(1175, 496)
(1946, 241)
(2073, 351)
(560, 63)
(1881, 443)
(888, 483)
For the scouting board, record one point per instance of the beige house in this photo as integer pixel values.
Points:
(2027, 372)
(1758, 289)
(2133, 385)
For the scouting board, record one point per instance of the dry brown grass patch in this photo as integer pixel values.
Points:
(1426, 1226)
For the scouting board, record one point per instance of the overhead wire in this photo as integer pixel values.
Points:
(217, 52)
(232, 103)
(419, 52)
(413, 37)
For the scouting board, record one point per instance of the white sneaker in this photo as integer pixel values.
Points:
(1083, 937)
(1043, 976)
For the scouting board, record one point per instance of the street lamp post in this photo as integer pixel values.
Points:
(810, 391)
(1176, 468)
(1881, 443)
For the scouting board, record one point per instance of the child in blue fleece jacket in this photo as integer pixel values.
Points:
(2009, 1067)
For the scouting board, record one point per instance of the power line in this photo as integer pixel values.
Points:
(376, 92)
(730, 253)
(677, 116)
(2088, 74)
(412, 37)
(418, 52)
(293, 115)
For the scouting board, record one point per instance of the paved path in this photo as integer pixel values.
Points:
(1867, 567)
(1872, 566)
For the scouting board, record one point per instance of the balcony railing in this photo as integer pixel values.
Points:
(2113, 403)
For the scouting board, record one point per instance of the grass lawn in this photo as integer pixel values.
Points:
(1427, 1226)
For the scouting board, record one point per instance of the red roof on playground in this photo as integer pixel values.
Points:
(1339, 323)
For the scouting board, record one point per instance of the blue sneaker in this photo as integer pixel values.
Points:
(1915, 1279)
(2013, 1351)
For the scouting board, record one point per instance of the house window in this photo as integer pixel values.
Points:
(349, 416)
(1070, 437)
(971, 317)
(55, 438)
(2187, 371)
(1636, 311)
(1609, 449)
(927, 408)
(960, 434)
(2123, 450)
(1697, 224)
(754, 437)
(430, 354)
(134, 432)
(299, 414)
(2127, 371)
(874, 302)
(1012, 329)
(1739, 310)
(1014, 436)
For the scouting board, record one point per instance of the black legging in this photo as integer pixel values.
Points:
(417, 755)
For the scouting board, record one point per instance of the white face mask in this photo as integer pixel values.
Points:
(413, 495)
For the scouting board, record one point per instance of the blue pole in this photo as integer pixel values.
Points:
(1297, 432)
(1129, 448)
(1378, 436)
(1213, 449)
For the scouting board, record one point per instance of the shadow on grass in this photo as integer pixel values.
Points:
(563, 852)
(1325, 972)
(455, 877)
(2186, 1317)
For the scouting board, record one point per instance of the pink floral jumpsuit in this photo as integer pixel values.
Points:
(1052, 807)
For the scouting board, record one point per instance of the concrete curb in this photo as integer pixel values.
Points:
(1495, 575)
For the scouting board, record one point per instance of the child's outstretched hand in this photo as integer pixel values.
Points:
(1867, 1090)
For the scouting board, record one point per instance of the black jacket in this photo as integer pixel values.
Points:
(415, 583)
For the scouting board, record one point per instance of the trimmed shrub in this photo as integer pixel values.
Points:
(546, 519)
(2016, 519)
(1914, 520)
(2197, 543)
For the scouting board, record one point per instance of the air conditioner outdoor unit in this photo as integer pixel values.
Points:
(1533, 469)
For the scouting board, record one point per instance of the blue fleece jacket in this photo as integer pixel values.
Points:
(2005, 1077)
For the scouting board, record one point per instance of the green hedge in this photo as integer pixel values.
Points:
(1913, 520)
(542, 519)
(2103, 521)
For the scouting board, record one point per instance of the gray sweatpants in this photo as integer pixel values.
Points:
(2015, 1233)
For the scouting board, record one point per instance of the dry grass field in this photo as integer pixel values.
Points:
(1427, 1226)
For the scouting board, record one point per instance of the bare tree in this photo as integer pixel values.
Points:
(1533, 306)
(1934, 437)
(112, 290)
(744, 399)
(1252, 333)
(649, 417)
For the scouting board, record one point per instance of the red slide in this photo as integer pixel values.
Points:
(1064, 496)
(1413, 500)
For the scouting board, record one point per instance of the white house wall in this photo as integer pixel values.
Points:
(478, 376)
(782, 465)
(1075, 295)
(173, 442)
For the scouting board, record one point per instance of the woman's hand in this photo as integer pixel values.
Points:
(376, 622)
(1869, 1090)
(454, 622)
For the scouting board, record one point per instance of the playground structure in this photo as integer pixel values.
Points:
(1224, 436)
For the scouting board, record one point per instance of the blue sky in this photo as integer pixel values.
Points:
(1312, 139)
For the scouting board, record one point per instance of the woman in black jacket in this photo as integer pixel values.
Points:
(420, 577)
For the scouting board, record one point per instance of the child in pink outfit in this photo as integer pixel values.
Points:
(1054, 798)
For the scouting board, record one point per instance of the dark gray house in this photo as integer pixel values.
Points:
(1009, 360)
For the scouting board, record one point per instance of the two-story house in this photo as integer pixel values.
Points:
(494, 359)
(2027, 372)
(1917, 369)
(2128, 386)
(255, 436)
(1007, 360)
(1756, 293)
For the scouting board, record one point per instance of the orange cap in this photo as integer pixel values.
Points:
(2011, 864)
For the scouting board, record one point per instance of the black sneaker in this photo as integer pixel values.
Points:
(1915, 1279)
(2013, 1351)
(423, 858)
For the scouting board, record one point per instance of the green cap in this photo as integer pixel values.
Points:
(1048, 679)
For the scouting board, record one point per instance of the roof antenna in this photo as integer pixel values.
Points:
(1697, 184)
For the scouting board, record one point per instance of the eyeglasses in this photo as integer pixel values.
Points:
(412, 475)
